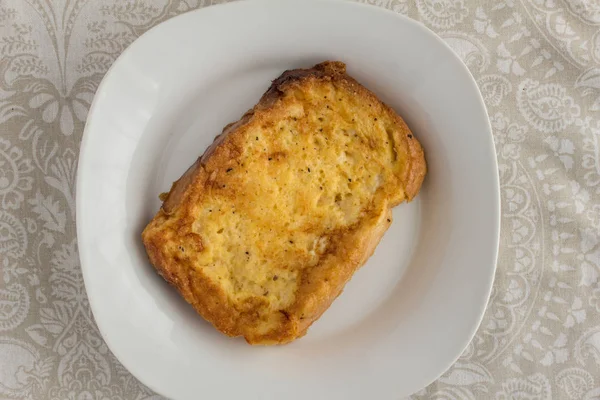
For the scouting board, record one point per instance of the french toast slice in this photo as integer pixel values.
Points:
(261, 234)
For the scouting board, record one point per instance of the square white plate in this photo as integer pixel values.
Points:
(404, 317)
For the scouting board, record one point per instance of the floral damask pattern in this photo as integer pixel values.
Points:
(537, 64)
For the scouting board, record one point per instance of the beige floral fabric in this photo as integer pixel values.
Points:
(537, 63)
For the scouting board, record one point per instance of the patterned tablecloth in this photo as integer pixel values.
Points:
(537, 63)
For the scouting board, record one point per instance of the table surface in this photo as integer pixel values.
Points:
(537, 63)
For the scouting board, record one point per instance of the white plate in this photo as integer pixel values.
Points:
(404, 318)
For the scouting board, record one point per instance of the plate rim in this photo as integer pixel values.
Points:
(84, 149)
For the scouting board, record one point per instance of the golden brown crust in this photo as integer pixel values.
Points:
(321, 284)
